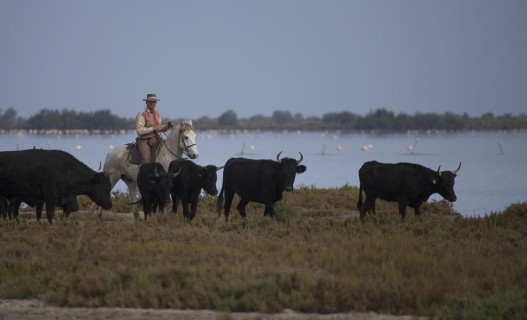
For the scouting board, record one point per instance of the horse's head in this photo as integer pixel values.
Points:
(187, 139)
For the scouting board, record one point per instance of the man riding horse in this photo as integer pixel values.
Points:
(148, 126)
(122, 164)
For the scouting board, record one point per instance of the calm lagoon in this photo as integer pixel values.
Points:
(493, 173)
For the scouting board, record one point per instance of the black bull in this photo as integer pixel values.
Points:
(52, 177)
(187, 186)
(261, 181)
(154, 186)
(407, 184)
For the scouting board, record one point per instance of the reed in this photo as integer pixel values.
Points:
(317, 257)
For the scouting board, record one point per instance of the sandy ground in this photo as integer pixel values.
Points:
(37, 310)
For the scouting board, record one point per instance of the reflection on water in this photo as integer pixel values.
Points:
(492, 177)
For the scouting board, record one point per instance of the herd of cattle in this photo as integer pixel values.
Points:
(55, 178)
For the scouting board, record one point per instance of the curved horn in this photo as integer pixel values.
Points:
(301, 158)
(219, 168)
(278, 156)
(438, 168)
(176, 173)
(459, 167)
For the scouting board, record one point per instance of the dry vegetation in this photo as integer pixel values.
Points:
(318, 257)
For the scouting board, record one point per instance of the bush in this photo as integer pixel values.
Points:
(516, 209)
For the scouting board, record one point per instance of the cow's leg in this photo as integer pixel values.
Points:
(162, 207)
(50, 209)
(4, 208)
(9, 212)
(38, 209)
(14, 207)
(186, 209)
(67, 212)
(159, 205)
(146, 208)
(219, 203)
(229, 195)
(269, 210)
(371, 205)
(367, 206)
(175, 202)
(363, 209)
(193, 207)
(417, 211)
(241, 207)
(266, 210)
(402, 209)
(50, 193)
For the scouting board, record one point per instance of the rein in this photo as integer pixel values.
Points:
(170, 151)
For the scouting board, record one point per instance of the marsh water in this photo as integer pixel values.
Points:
(493, 173)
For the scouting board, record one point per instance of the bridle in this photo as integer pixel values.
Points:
(180, 139)
(185, 150)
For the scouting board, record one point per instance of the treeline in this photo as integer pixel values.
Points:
(380, 120)
(65, 119)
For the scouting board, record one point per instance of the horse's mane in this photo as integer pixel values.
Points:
(180, 127)
(186, 125)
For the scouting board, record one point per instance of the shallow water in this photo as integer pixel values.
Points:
(492, 176)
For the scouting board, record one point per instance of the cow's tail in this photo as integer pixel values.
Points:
(359, 202)
(219, 202)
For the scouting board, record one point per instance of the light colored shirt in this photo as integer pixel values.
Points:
(144, 126)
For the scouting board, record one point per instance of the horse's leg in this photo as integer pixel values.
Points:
(133, 195)
(99, 212)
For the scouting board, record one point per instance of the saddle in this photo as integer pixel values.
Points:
(134, 156)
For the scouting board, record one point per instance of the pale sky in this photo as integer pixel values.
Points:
(312, 57)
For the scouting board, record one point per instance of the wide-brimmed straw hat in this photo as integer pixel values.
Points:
(151, 97)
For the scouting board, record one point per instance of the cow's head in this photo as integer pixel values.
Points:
(443, 182)
(208, 177)
(288, 168)
(161, 183)
(101, 188)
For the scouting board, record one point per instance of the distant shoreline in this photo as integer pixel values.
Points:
(52, 132)
(68, 132)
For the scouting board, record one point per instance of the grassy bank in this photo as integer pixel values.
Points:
(318, 257)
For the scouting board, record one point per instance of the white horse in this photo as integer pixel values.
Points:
(181, 140)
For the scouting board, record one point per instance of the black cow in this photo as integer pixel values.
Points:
(261, 181)
(51, 177)
(187, 186)
(154, 186)
(405, 183)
